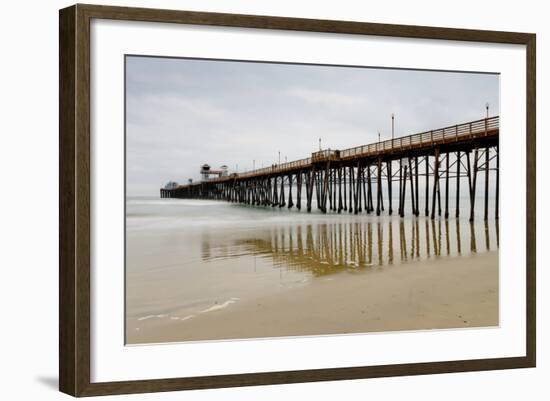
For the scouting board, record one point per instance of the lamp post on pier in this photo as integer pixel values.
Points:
(392, 127)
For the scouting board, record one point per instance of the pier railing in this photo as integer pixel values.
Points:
(277, 168)
(430, 138)
(472, 129)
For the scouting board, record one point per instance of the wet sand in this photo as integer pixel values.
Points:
(442, 293)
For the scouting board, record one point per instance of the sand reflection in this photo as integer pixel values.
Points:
(325, 248)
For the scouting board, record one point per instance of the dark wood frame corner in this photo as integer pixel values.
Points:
(74, 199)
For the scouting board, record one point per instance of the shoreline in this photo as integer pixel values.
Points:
(402, 297)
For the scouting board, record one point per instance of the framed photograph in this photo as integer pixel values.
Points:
(250, 200)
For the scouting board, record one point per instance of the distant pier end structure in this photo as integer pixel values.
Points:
(172, 185)
(207, 173)
(363, 178)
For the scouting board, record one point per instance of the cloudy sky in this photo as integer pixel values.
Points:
(183, 113)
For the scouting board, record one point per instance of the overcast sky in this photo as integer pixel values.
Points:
(183, 113)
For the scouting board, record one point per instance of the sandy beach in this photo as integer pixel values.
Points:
(448, 292)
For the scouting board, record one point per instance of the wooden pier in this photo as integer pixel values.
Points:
(352, 180)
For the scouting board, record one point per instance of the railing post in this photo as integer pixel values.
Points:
(456, 133)
(431, 137)
(485, 127)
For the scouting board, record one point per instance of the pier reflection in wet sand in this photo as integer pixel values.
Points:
(328, 247)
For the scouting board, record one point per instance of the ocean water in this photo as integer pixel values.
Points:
(198, 256)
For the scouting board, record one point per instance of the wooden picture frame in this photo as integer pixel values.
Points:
(74, 199)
